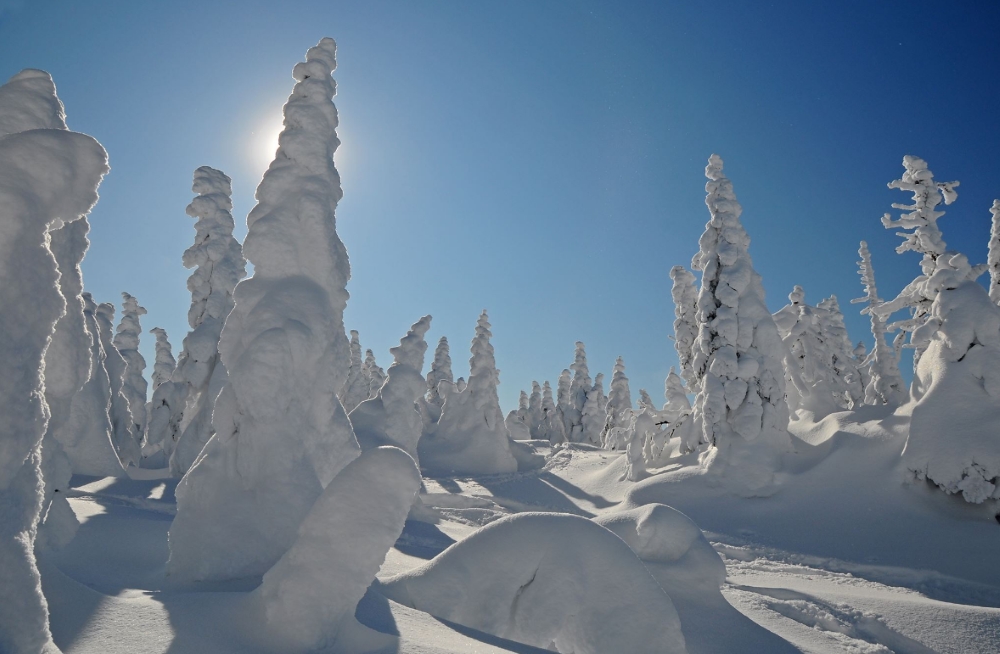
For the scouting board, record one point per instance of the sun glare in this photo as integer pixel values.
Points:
(264, 142)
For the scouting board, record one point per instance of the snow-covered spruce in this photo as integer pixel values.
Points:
(536, 411)
(471, 437)
(313, 589)
(925, 239)
(842, 362)
(954, 437)
(517, 420)
(676, 422)
(619, 407)
(440, 371)
(373, 374)
(134, 385)
(543, 579)
(885, 383)
(161, 410)
(993, 259)
(355, 389)
(685, 295)
(163, 366)
(564, 403)
(281, 434)
(552, 428)
(391, 417)
(122, 432)
(48, 176)
(738, 354)
(579, 387)
(219, 265)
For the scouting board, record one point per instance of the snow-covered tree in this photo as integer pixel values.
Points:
(841, 350)
(677, 418)
(645, 401)
(594, 414)
(391, 417)
(281, 433)
(122, 426)
(954, 436)
(885, 384)
(48, 177)
(536, 411)
(517, 420)
(925, 239)
(217, 259)
(373, 373)
(993, 260)
(863, 366)
(564, 402)
(134, 384)
(553, 429)
(440, 371)
(685, 296)
(578, 389)
(619, 407)
(738, 354)
(471, 436)
(163, 366)
(355, 389)
(642, 429)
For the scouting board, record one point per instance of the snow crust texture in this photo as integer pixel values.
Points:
(341, 544)
(281, 434)
(542, 579)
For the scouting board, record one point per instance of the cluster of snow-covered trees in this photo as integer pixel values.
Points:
(281, 429)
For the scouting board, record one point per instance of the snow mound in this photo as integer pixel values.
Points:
(341, 545)
(660, 534)
(954, 439)
(551, 580)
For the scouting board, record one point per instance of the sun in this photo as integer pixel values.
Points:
(264, 142)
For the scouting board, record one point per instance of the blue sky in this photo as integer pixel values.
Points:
(544, 160)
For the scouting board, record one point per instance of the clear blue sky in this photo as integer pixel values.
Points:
(541, 159)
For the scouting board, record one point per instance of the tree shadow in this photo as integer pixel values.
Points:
(422, 540)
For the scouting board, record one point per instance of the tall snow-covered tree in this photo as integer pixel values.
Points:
(355, 389)
(373, 373)
(885, 384)
(993, 259)
(564, 402)
(163, 366)
(391, 417)
(594, 414)
(471, 436)
(122, 426)
(553, 429)
(218, 262)
(926, 239)
(738, 354)
(281, 433)
(685, 296)
(619, 407)
(841, 351)
(578, 389)
(536, 411)
(48, 176)
(440, 371)
(134, 385)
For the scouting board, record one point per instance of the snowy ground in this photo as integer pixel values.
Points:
(844, 557)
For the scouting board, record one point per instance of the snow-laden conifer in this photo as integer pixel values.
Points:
(885, 384)
(355, 389)
(564, 402)
(536, 411)
(281, 433)
(645, 401)
(217, 259)
(864, 367)
(553, 428)
(440, 371)
(122, 426)
(993, 260)
(374, 373)
(578, 389)
(134, 385)
(48, 177)
(163, 366)
(391, 417)
(471, 436)
(841, 351)
(926, 239)
(738, 353)
(594, 414)
(517, 420)
(685, 296)
(619, 407)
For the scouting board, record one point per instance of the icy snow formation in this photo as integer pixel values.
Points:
(885, 384)
(619, 407)
(391, 417)
(840, 350)
(738, 354)
(356, 388)
(48, 177)
(518, 421)
(281, 434)
(342, 542)
(134, 385)
(594, 414)
(954, 437)
(163, 366)
(543, 579)
(200, 375)
(470, 437)
(122, 436)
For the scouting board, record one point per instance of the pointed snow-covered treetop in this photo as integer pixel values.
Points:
(685, 296)
(122, 426)
(440, 371)
(356, 388)
(885, 384)
(940, 268)
(619, 396)
(164, 365)
(841, 352)
(134, 385)
(374, 373)
(738, 353)
(48, 177)
(994, 253)
(281, 433)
